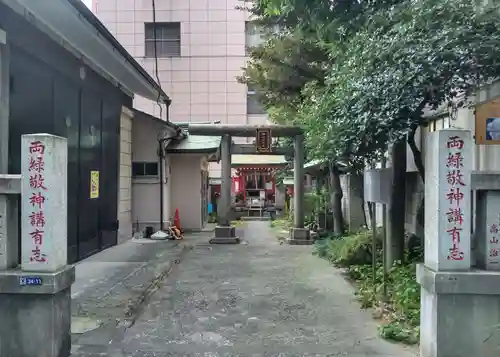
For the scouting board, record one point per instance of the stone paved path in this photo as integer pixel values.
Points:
(259, 299)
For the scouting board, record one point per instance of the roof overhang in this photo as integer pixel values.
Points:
(197, 144)
(171, 127)
(315, 167)
(72, 25)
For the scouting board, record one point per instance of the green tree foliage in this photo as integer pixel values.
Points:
(387, 62)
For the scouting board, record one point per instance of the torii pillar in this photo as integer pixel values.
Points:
(225, 233)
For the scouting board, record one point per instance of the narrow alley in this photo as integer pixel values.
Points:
(255, 299)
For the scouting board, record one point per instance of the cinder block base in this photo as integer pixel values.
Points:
(300, 236)
(460, 313)
(36, 319)
(225, 235)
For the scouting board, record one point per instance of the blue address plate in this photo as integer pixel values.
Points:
(30, 281)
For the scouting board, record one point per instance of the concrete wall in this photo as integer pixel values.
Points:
(125, 192)
(186, 183)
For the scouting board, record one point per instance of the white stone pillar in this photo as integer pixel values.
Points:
(448, 165)
(488, 230)
(44, 203)
(460, 310)
(35, 302)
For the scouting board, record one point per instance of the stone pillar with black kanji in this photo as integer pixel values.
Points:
(459, 304)
(448, 215)
(35, 301)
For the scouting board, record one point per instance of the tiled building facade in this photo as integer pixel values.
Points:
(201, 50)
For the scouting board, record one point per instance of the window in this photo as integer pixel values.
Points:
(141, 169)
(168, 39)
(253, 35)
(253, 104)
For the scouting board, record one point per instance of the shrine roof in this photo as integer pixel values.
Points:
(240, 160)
(288, 181)
(195, 143)
(313, 165)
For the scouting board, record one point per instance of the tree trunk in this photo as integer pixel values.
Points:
(336, 196)
(417, 158)
(397, 204)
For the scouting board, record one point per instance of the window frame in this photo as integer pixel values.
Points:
(161, 40)
(251, 98)
(254, 33)
(144, 165)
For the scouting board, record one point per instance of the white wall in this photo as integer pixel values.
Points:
(146, 190)
(186, 188)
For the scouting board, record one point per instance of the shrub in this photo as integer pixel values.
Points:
(401, 310)
(353, 249)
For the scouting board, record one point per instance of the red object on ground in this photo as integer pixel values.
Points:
(177, 219)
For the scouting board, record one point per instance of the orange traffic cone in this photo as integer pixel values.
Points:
(177, 219)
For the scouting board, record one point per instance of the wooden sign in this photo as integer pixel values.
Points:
(263, 140)
(488, 123)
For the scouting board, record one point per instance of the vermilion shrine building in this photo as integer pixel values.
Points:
(254, 178)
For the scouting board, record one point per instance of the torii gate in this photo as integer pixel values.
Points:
(225, 232)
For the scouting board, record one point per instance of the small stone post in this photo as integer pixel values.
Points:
(35, 301)
(460, 306)
(224, 232)
(298, 234)
(488, 230)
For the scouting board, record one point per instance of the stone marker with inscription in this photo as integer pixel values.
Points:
(43, 204)
(448, 200)
(460, 310)
(35, 301)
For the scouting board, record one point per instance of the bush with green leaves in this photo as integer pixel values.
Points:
(348, 250)
(401, 306)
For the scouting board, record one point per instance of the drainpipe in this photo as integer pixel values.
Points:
(161, 154)
(162, 144)
(168, 102)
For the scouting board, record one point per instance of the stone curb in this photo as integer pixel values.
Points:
(158, 271)
(134, 308)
